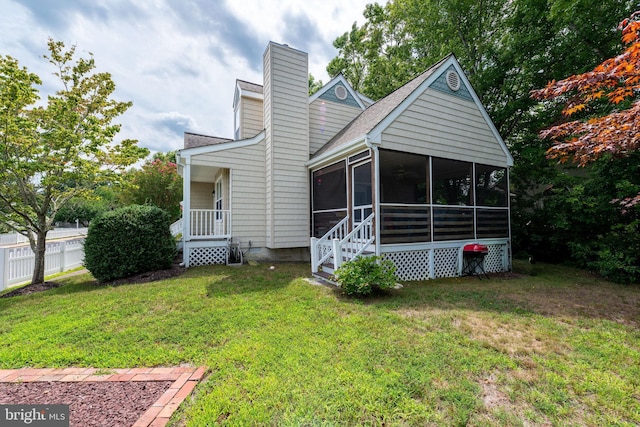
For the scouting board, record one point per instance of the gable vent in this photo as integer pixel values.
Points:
(453, 80)
(341, 92)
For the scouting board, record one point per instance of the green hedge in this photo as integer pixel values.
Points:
(128, 241)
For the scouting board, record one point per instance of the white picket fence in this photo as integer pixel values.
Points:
(17, 261)
(59, 233)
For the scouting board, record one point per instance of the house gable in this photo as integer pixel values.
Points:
(359, 130)
(441, 122)
(339, 94)
(339, 90)
(446, 126)
(450, 83)
(328, 114)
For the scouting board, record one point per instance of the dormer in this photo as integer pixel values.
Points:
(247, 110)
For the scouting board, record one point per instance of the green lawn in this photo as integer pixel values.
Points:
(556, 346)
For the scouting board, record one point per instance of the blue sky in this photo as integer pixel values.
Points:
(176, 60)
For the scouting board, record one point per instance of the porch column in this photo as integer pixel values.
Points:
(186, 208)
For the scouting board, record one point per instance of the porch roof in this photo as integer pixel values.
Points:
(192, 140)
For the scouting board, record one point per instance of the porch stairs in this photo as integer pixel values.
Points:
(338, 246)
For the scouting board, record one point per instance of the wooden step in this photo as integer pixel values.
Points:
(327, 277)
(328, 268)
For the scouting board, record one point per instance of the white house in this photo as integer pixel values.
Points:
(413, 177)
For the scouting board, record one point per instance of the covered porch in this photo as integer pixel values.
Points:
(206, 214)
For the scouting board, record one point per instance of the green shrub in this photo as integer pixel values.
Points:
(618, 254)
(128, 241)
(363, 275)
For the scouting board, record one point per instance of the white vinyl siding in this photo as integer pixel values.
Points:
(326, 119)
(441, 125)
(247, 171)
(287, 149)
(252, 117)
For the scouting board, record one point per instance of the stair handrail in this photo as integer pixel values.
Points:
(176, 227)
(338, 231)
(351, 247)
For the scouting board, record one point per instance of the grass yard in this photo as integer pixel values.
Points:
(555, 346)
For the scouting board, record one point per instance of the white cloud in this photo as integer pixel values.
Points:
(176, 61)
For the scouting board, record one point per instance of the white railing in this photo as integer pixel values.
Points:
(355, 243)
(322, 248)
(17, 262)
(60, 233)
(343, 247)
(176, 228)
(210, 223)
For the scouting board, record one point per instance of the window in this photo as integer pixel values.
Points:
(359, 156)
(219, 226)
(452, 182)
(454, 201)
(330, 187)
(362, 192)
(329, 200)
(491, 186)
(218, 199)
(403, 177)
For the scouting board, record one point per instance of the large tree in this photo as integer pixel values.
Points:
(507, 48)
(592, 135)
(404, 37)
(599, 129)
(53, 151)
(156, 183)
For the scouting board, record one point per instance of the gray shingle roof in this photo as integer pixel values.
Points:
(375, 113)
(252, 87)
(192, 140)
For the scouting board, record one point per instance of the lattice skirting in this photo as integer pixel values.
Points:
(445, 262)
(494, 260)
(410, 265)
(207, 256)
(415, 264)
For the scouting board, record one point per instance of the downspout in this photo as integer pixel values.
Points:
(186, 208)
(376, 160)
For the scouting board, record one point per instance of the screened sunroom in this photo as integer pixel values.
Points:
(421, 210)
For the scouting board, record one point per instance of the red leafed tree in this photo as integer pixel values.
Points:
(617, 133)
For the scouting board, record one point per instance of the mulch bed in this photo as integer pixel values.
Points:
(31, 289)
(99, 404)
(139, 397)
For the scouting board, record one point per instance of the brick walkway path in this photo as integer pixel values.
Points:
(185, 380)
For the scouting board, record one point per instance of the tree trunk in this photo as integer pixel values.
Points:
(39, 251)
